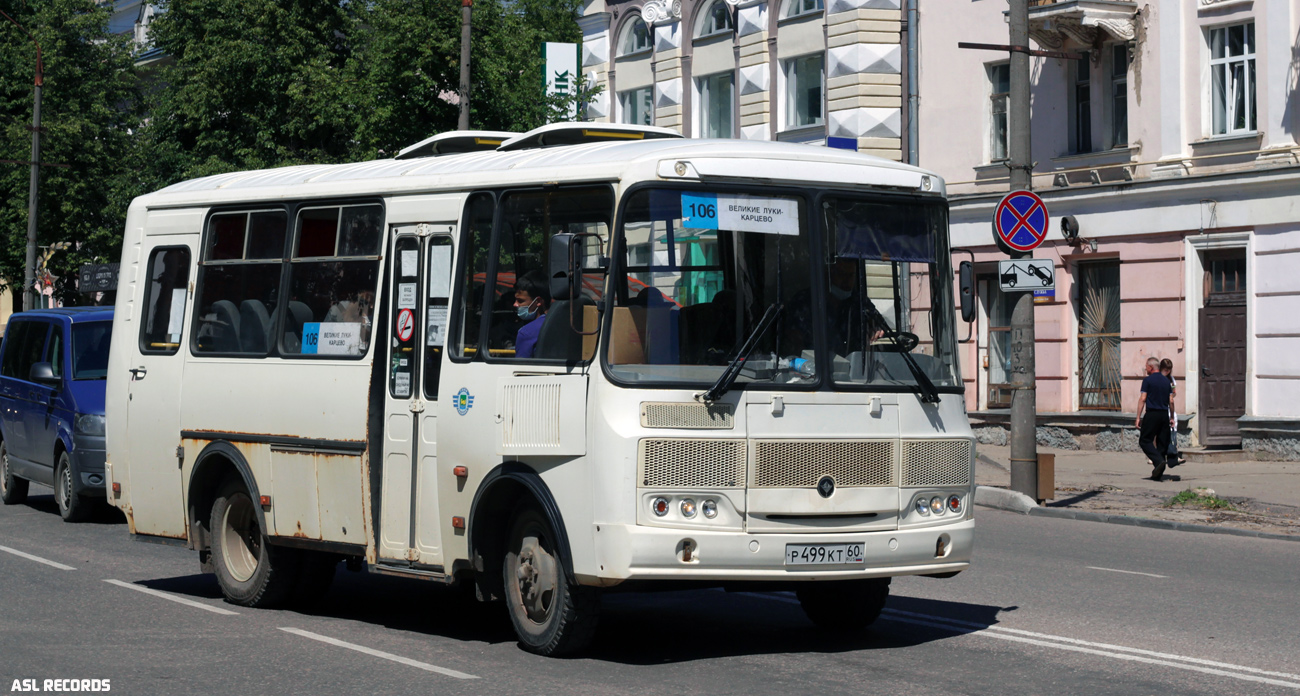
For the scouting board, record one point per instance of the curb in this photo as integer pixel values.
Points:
(1011, 501)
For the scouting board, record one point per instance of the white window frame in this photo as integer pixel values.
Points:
(629, 32)
(1117, 80)
(1004, 100)
(629, 94)
(702, 101)
(798, 8)
(705, 28)
(1080, 73)
(1249, 88)
(788, 93)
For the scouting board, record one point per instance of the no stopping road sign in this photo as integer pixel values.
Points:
(1020, 221)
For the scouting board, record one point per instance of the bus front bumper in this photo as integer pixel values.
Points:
(634, 552)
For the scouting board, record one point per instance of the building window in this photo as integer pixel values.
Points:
(1119, 95)
(636, 38)
(1100, 374)
(1232, 75)
(716, 20)
(715, 105)
(795, 8)
(1081, 137)
(999, 93)
(637, 106)
(803, 81)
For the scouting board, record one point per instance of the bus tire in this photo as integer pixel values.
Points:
(72, 506)
(13, 490)
(251, 572)
(845, 605)
(551, 617)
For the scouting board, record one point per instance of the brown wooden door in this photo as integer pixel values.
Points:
(1223, 373)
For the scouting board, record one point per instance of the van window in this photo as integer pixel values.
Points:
(473, 281)
(164, 300)
(54, 354)
(238, 279)
(333, 276)
(528, 221)
(24, 346)
(90, 342)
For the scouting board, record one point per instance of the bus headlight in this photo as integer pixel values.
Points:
(709, 508)
(936, 505)
(659, 506)
(90, 424)
(688, 508)
(922, 507)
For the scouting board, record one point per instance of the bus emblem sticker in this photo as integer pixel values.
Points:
(463, 401)
(826, 487)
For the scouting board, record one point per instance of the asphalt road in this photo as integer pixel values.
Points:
(1050, 607)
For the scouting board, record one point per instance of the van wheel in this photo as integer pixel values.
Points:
(843, 606)
(72, 506)
(550, 616)
(13, 490)
(251, 572)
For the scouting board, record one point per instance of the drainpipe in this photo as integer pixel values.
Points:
(913, 100)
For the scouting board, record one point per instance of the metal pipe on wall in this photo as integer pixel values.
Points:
(913, 80)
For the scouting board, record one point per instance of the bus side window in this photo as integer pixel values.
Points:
(164, 300)
(438, 287)
(473, 279)
(238, 281)
(333, 274)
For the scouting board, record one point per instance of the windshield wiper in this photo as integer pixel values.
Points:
(730, 374)
(929, 395)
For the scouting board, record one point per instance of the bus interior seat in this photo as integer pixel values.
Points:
(661, 328)
(299, 314)
(224, 327)
(557, 340)
(708, 329)
(254, 325)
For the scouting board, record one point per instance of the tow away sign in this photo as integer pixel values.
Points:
(1023, 275)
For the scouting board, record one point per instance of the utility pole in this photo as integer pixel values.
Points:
(466, 6)
(1024, 402)
(29, 268)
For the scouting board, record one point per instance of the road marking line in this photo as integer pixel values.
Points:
(38, 559)
(1127, 572)
(1103, 653)
(379, 653)
(174, 598)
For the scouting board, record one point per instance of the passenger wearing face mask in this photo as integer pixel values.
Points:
(532, 297)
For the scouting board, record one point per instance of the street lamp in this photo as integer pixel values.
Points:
(29, 268)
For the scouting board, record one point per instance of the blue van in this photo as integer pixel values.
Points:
(53, 368)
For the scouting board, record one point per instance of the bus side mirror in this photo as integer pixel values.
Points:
(966, 287)
(565, 270)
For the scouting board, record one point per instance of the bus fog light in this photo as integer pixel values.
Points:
(660, 506)
(954, 503)
(936, 505)
(709, 508)
(688, 508)
(922, 507)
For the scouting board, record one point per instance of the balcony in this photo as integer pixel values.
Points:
(1081, 24)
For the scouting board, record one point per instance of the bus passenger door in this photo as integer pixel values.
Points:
(420, 275)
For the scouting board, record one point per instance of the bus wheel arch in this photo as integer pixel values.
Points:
(501, 492)
(216, 463)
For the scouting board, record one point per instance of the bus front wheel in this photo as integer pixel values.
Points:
(251, 572)
(550, 615)
(846, 605)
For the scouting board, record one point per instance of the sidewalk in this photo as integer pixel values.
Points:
(1264, 496)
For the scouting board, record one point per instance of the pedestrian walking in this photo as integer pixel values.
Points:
(1153, 420)
(1172, 456)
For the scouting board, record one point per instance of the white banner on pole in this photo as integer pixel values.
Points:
(560, 63)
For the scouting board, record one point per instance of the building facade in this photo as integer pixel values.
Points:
(1169, 142)
(814, 71)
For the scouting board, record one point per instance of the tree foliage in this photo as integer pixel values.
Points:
(89, 106)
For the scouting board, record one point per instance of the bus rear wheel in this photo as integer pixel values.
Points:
(251, 572)
(845, 605)
(551, 616)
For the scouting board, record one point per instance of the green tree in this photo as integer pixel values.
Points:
(89, 107)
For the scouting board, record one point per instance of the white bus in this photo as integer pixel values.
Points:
(588, 357)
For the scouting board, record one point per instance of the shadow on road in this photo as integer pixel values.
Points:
(637, 628)
(101, 513)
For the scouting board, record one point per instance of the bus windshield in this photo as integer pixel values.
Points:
(700, 268)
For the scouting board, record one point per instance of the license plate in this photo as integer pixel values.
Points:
(823, 554)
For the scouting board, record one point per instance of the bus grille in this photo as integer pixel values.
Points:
(684, 463)
(802, 463)
(936, 462)
(684, 415)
